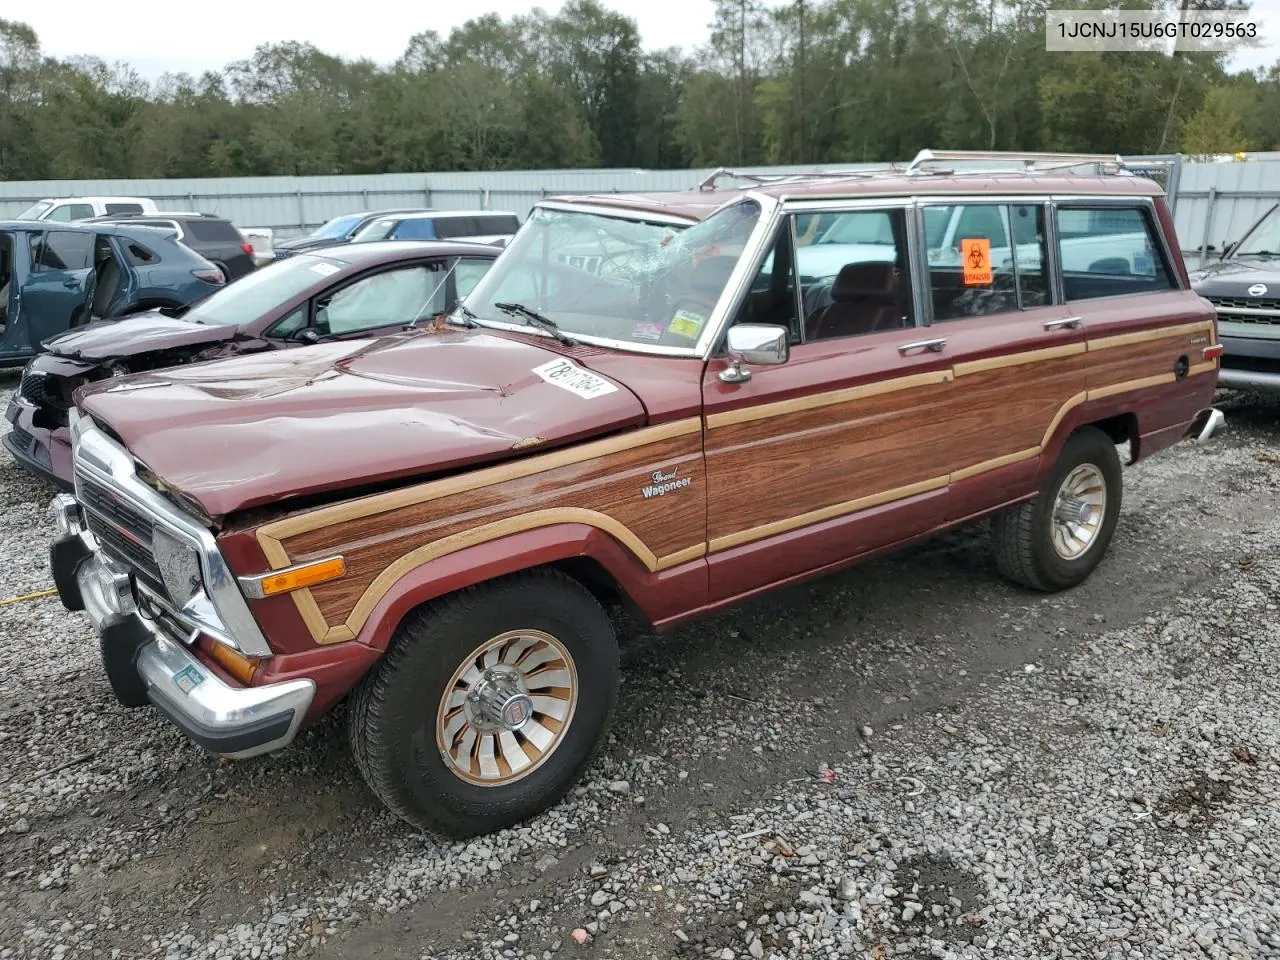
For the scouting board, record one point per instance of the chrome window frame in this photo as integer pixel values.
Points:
(226, 615)
(1140, 202)
(1044, 201)
(760, 241)
(725, 305)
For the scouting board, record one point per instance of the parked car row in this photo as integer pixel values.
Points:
(668, 402)
(358, 292)
(408, 223)
(55, 278)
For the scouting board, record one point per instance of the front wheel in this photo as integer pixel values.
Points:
(1055, 541)
(488, 704)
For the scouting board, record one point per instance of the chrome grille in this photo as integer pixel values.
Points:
(121, 529)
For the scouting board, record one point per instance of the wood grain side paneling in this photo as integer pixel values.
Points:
(767, 469)
(380, 545)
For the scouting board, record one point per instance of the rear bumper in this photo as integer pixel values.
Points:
(144, 665)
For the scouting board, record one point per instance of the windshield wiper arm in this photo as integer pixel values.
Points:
(468, 317)
(535, 319)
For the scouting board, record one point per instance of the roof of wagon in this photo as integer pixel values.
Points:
(697, 204)
(1006, 184)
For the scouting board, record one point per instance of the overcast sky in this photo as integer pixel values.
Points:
(160, 37)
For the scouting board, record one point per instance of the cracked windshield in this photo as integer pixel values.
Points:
(626, 280)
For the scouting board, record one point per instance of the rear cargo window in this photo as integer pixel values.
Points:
(123, 208)
(213, 230)
(489, 226)
(1110, 251)
(448, 228)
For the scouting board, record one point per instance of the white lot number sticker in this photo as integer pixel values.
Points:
(573, 378)
(324, 269)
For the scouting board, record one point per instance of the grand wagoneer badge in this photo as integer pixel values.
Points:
(664, 483)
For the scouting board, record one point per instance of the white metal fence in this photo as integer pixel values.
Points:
(1212, 202)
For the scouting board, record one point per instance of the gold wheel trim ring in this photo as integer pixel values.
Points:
(534, 674)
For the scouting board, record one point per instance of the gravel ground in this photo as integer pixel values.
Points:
(911, 758)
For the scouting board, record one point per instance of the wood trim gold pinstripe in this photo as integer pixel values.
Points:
(474, 480)
(1018, 359)
(270, 535)
(814, 401)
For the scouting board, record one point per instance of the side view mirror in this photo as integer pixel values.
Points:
(306, 335)
(758, 343)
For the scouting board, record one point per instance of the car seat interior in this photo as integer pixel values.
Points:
(107, 275)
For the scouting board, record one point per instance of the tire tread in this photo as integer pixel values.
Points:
(368, 723)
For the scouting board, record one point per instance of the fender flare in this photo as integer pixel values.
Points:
(496, 558)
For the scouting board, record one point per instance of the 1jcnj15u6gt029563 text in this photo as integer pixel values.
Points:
(1151, 30)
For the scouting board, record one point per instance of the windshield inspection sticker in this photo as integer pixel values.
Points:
(324, 269)
(645, 330)
(686, 324)
(569, 376)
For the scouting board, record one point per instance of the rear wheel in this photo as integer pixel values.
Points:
(488, 704)
(1055, 541)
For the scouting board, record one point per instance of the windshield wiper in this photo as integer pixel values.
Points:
(469, 319)
(535, 319)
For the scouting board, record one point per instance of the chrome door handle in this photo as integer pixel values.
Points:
(1066, 323)
(934, 345)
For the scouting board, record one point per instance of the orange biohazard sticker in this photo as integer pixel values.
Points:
(976, 261)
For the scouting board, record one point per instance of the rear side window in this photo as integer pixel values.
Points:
(123, 208)
(138, 254)
(447, 228)
(985, 258)
(62, 250)
(417, 229)
(1110, 251)
(213, 229)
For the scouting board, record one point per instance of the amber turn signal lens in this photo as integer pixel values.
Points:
(307, 575)
(232, 661)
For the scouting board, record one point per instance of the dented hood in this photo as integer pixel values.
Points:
(252, 430)
(143, 332)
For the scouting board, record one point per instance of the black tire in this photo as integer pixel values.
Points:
(392, 716)
(1023, 535)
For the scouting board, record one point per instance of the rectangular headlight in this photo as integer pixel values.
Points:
(179, 566)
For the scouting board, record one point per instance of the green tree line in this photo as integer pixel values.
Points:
(810, 81)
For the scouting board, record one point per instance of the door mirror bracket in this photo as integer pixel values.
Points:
(758, 343)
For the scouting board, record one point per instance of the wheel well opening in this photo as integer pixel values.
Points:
(601, 584)
(1122, 429)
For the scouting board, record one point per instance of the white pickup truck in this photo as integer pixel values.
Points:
(66, 209)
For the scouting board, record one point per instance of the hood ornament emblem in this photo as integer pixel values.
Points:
(1257, 290)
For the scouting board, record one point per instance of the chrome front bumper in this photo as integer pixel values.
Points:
(146, 665)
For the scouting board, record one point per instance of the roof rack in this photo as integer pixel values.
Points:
(1026, 162)
(711, 181)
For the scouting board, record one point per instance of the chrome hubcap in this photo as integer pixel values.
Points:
(1078, 511)
(507, 708)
